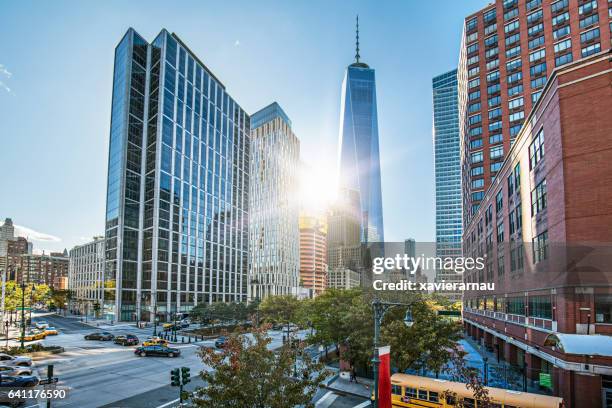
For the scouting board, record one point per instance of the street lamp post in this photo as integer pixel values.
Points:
(380, 308)
(23, 288)
(155, 319)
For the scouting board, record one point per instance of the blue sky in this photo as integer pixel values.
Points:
(56, 65)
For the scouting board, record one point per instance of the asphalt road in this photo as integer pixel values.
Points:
(65, 325)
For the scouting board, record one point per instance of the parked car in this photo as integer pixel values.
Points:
(22, 361)
(104, 336)
(126, 340)
(221, 342)
(42, 324)
(15, 370)
(171, 326)
(51, 331)
(33, 335)
(22, 381)
(157, 351)
(155, 341)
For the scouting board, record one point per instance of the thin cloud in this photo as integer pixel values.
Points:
(35, 235)
(6, 88)
(237, 43)
(5, 71)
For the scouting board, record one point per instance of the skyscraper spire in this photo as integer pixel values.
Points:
(357, 42)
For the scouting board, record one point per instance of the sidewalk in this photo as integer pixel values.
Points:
(359, 389)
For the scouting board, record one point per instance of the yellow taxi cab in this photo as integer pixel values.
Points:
(33, 335)
(51, 331)
(155, 341)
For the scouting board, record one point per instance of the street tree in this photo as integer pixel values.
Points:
(248, 374)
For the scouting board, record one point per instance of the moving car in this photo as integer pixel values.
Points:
(126, 340)
(23, 381)
(104, 336)
(221, 342)
(51, 331)
(155, 341)
(42, 324)
(171, 326)
(157, 351)
(33, 335)
(22, 361)
(15, 370)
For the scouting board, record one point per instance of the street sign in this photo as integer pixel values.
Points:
(48, 381)
(545, 380)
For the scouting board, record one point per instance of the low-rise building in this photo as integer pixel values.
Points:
(343, 278)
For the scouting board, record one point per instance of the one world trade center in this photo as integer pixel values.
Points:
(359, 153)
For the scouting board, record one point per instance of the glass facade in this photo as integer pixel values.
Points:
(359, 152)
(177, 195)
(447, 162)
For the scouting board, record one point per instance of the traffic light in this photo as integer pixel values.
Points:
(175, 377)
(186, 375)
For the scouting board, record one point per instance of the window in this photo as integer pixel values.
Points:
(535, 16)
(517, 116)
(491, 52)
(535, 96)
(494, 101)
(538, 198)
(472, 24)
(475, 131)
(515, 90)
(512, 222)
(510, 185)
(496, 152)
(589, 35)
(517, 176)
(500, 232)
(537, 69)
(475, 144)
(533, 4)
(563, 59)
(477, 196)
(498, 138)
(475, 119)
(490, 41)
(511, 14)
(513, 52)
(492, 64)
(499, 201)
(473, 60)
(508, 28)
(490, 29)
(537, 55)
(423, 394)
(474, 83)
(561, 32)
(536, 42)
(561, 18)
(489, 215)
(563, 45)
(591, 49)
(519, 215)
(489, 15)
(492, 76)
(535, 29)
(472, 37)
(475, 107)
(514, 64)
(558, 5)
(516, 257)
(603, 308)
(410, 392)
(478, 183)
(495, 167)
(538, 82)
(536, 149)
(433, 396)
(586, 8)
(515, 129)
(516, 103)
(495, 113)
(517, 76)
(472, 48)
(396, 389)
(476, 157)
(589, 21)
(477, 171)
(512, 39)
(540, 306)
(516, 305)
(474, 95)
(474, 71)
(493, 89)
(540, 247)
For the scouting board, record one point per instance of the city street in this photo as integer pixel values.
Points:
(102, 373)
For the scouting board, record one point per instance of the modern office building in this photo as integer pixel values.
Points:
(178, 184)
(344, 231)
(508, 51)
(544, 229)
(313, 252)
(86, 278)
(274, 235)
(343, 278)
(447, 164)
(359, 151)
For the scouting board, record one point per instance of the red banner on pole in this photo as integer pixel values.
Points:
(384, 377)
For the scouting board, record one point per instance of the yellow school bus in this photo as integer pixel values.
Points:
(422, 392)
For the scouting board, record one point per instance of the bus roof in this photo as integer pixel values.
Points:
(517, 398)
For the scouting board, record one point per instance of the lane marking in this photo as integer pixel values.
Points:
(363, 404)
(326, 396)
(168, 403)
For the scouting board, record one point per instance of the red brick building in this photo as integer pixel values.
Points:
(545, 228)
(509, 49)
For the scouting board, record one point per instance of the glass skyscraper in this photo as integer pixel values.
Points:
(447, 159)
(359, 153)
(178, 182)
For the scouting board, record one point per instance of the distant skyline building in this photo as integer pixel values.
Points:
(344, 231)
(509, 48)
(178, 184)
(313, 252)
(274, 236)
(447, 165)
(359, 160)
(86, 276)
